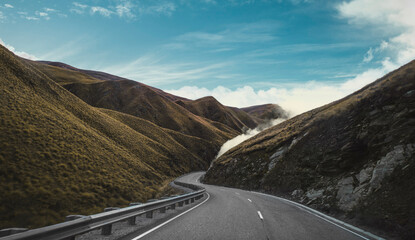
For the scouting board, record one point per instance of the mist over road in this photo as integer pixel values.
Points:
(230, 213)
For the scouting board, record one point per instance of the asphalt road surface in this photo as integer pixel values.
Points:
(228, 213)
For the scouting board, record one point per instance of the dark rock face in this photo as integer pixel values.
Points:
(354, 157)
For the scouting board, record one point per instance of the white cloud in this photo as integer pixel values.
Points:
(369, 55)
(79, 5)
(166, 8)
(2, 16)
(102, 11)
(125, 9)
(18, 53)
(248, 134)
(42, 14)
(296, 99)
(396, 17)
(8, 5)
(32, 18)
(50, 10)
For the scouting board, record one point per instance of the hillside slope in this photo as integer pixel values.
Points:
(353, 157)
(60, 156)
(45, 65)
(128, 97)
(114, 92)
(137, 99)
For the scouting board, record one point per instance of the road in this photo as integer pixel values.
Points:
(230, 213)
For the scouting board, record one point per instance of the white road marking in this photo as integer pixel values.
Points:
(249, 200)
(237, 193)
(159, 226)
(260, 215)
(326, 218)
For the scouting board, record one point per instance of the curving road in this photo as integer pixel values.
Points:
(230, 213)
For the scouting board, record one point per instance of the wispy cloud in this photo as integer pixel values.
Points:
(66, 50)
(8, 5)
(153, 70)
(122, 10)
(390, 17)
(126, 9)
(256, 32)
(31, 18)
(165, 8)
(42, 15)
(50, 10)
(102, 11)
(18, 53)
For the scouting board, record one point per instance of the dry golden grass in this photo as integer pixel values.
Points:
(63, 76)
(60, 156)
(210, 108)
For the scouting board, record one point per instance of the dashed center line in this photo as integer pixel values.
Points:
(260, 215)
(249, 200)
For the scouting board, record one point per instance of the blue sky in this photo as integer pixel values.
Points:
(296, 53)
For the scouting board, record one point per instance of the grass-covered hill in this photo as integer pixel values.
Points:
(137, 99)
(140, 101)
(61, 156)
(98, 75)
(352, 158)
(210, 108)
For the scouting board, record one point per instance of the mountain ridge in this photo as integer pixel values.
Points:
(52, 138)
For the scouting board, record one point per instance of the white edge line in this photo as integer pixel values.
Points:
(164, 223)
(260, 215)
(327, 218)
(249, 200)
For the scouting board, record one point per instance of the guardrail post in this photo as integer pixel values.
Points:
(186, 201)
(192, 200)
(131, 220)
(106, 230)
(173, 206)
(181, 204)
(163, 210)
(149, 214)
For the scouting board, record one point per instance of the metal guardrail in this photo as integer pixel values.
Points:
(68, 230)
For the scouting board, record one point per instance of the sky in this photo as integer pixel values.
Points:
(299, 54)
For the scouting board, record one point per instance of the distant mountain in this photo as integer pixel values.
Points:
(266, 111)
(131, 97)
(60, 156)
(353, 157)
(210, 108)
